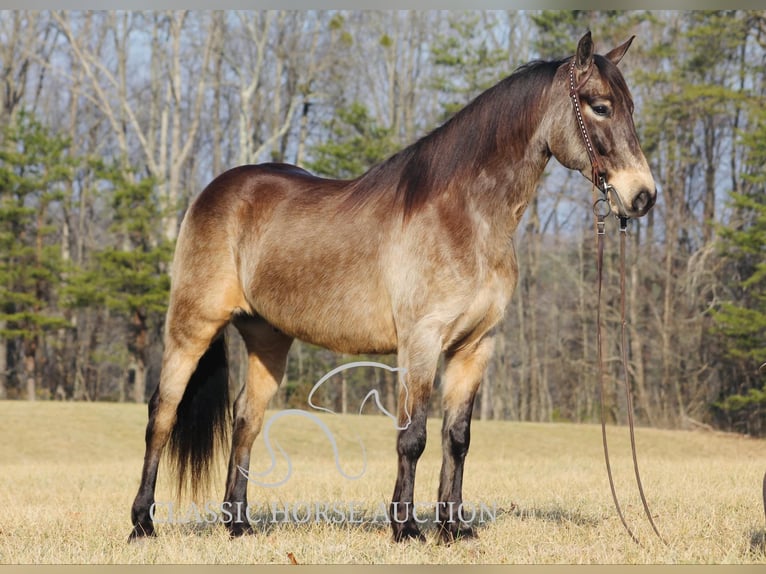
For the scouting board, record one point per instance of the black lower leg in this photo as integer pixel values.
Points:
(141, 511)
(235, 501)
(410, 445)
(456, 438)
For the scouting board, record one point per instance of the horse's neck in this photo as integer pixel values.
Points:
(502, 183)
(501, 192)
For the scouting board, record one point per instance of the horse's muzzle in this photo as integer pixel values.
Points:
(643, 202)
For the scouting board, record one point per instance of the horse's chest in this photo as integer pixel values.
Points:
(484, 307)
(492, 297)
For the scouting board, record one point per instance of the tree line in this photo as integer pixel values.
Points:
(111, 122)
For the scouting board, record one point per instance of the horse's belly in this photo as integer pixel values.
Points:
(345, 316)
(343, 332)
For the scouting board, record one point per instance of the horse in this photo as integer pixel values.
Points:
(414, 257)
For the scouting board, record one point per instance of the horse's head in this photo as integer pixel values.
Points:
(593, 130)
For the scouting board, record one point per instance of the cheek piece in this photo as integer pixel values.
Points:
(598, 175)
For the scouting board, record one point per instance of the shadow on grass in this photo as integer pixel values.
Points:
(557, 515)
(374, 521)
(758, 543)
(265, 521)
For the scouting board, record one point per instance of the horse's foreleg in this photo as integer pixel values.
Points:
(419, 357)
(463, 374)
(267, 355)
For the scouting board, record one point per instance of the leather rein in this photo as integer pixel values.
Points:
(601, 210)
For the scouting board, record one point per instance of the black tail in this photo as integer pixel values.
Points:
(203, 418)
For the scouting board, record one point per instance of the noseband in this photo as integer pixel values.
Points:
(598, 173)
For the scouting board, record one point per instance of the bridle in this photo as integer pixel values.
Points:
(598, 172)
(601, 210)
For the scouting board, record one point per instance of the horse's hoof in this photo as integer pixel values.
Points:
(449, 533)
(407, 531)
(141, 532)
(239, 529)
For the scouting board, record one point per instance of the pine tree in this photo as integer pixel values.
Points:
(741, 318)
(559, 31)
(34, 164)
(466, 62)
(130, 276)
(356, 143)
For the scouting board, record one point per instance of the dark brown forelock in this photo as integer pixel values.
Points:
(495, 127)
(615, 80)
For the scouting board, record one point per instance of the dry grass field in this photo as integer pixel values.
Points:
(70, 471)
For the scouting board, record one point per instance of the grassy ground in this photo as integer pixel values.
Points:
(70, 471)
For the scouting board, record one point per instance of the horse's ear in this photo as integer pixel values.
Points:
(616, 55)
(584, 56)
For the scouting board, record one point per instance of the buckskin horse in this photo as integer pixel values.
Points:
(414, 257)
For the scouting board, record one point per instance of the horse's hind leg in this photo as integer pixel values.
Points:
(179, 362)
(190, 328)
(462, 377)
(267, 356)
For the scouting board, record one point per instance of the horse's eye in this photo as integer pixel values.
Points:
(600, 110)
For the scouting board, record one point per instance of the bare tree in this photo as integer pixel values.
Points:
(166, 137)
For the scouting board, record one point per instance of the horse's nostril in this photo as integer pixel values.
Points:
(643, 201)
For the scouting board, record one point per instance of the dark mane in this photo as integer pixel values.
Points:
(494, 127)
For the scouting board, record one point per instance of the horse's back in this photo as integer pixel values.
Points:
(249, 184)
(302, 263)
